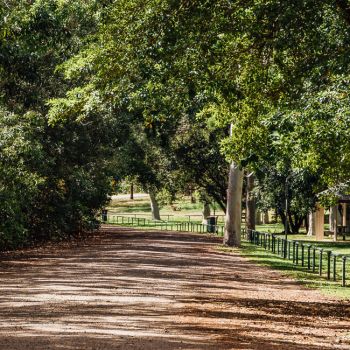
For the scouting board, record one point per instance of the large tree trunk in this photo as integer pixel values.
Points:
(258, 217)
(154, 206)
(295, 222)
(250, 204)
(266, 218)
(232, 235)
(193, 198)
(206, 211)
(281, 213)
(335, 223)
(312, 224)
(132, 190)
(332, 214)
(344, 218)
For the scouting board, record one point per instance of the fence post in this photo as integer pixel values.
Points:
(329, 265)
(293, 252)
(302, 255)
(334, 267)
(320, 262)
(288, 250)
(282, 246)
(296, 253)
(344, 272)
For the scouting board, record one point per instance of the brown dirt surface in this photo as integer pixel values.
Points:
(131, 289)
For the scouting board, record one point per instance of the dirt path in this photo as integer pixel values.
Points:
(158, 290)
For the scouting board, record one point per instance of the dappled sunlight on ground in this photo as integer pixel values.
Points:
(128, 289)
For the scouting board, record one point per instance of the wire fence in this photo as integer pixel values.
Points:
(324, 262)
(183, 226)
(168, 217)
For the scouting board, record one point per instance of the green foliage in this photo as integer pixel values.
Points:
(53, 179)
(271, 193)
(20, 155)
(148, 89)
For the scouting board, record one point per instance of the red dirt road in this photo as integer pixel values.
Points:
(127, 289)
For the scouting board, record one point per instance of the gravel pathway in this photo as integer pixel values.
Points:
(131, 289)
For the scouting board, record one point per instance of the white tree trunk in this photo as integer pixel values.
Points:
(312, 224)
(266, 218)
(257, 217)
(332, 214)
(154, 206)
(335, 223)
(205, 212)
(132, 191)
(232, 235)
(344, 218)
(319, 223)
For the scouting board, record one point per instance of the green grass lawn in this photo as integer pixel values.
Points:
(275, 228)
(341, 247)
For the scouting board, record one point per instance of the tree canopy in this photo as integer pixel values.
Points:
(149, 89)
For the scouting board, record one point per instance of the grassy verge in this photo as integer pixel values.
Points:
(260, 256)
(181, 210)
(339, 247)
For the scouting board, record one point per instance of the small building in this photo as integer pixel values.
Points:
(339, 218)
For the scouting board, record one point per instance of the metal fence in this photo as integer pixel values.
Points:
(168, 217)
(324, 262)
(183, 226)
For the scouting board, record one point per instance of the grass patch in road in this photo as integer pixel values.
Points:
(261, 256)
